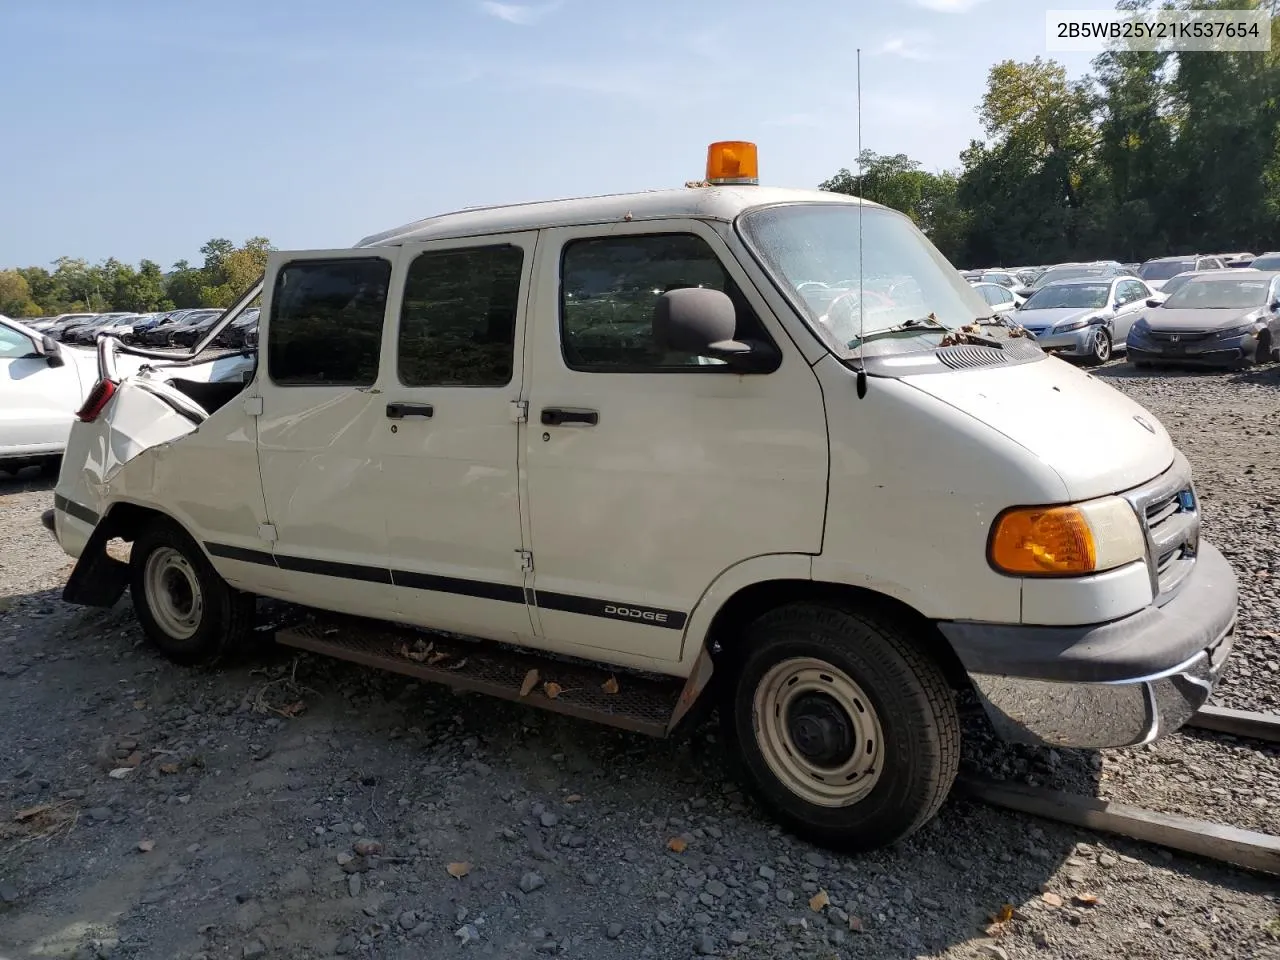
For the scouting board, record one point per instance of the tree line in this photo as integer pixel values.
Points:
(1150, 154)
(76, 286)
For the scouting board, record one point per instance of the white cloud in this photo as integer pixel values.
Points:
(949, 6)
(522, 14)
(908, 48)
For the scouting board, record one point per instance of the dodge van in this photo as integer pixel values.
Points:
(725, 445)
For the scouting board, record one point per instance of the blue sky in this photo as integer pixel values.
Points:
(140, 128)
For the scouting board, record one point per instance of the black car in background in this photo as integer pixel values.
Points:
(192, 327)
(161, 335)
(241, 332)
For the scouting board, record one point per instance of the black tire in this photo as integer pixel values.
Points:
(909, 697)
(1264, 352)
(222, 617)
(1100, 348)
(50, 467)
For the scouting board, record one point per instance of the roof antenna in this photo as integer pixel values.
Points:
(862, 363)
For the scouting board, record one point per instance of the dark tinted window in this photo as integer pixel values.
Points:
(326, 322)
(458, 324)
(608, 290)
(1268, 261)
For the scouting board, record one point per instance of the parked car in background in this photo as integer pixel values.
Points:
(191, 328)
(41, 385)
(241, 332)
(1001, 277)
(1240, 258)
(66, 321)
(1156, 272)
(1229, 319)
(1100, 269)
(159, 334)
(1174, 284)
(87, 334)
(1001, 299)
(1266, 261)
(1084, 319)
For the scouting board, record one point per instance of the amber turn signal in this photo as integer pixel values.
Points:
(732, 162)
(1066, 540)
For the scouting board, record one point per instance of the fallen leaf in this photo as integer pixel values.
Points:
(530, 681)
(132, 760)
(459, 665)
(419, 653)
(24, 815)
(436, 658)
(677, 845)
(458, 870)
(146, 846)
(1005, 914)
(1086, 899)
(818, 901)
(1052, 899)
(610, 685)
(995, 930)
(293, 709)
(119, 773)
(573, 798)
(169, 768)
(552, 689)
(139, 704)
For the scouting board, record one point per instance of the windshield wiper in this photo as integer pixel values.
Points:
(916, 323)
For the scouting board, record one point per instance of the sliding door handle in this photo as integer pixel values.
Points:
(555, 416)
(399, 411)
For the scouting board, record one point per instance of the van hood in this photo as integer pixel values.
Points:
(1093, 436)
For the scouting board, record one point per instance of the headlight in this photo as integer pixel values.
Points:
(1066, 541)
(1073, 325)
(1242, 330)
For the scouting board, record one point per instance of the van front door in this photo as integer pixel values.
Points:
(320, 422)
(650, 472)
(448, 439)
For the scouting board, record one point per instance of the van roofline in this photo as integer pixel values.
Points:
(700, 203)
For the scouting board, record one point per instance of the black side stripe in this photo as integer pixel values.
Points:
(74, 509)
(502, 592)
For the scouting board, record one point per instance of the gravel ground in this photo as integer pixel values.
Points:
(244, 825)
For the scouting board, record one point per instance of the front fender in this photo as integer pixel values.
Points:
(775, 566)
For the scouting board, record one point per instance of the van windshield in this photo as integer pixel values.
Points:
(910, 295)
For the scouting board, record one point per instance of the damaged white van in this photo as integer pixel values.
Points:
(615, 456)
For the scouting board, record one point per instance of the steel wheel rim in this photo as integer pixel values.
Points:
(173, 593)
(788, 684)
(1101, 344)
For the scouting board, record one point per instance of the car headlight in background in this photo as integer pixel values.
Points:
(1242, 330)
(1072, 540)
(1140, 326)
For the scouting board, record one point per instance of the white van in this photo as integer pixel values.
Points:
(744, 446)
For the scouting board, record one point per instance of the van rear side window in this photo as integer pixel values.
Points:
(326, 322)
(458, 323)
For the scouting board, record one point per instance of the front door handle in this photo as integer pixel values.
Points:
(555, 416)
(398, 411)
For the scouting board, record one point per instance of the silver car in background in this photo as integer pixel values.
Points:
(1085, 319)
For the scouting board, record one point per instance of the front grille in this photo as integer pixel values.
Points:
(1171, 522)
(1193, 336)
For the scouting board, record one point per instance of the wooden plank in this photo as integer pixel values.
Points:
(1244, 848)
(1240, 723)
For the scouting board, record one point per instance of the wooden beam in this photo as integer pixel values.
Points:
(1244, 848)
(1240, 723)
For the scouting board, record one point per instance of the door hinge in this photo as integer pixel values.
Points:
(267, 532)
(253, 406)
(526, 560)
(520, 411)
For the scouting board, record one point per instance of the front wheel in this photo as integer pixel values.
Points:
(849, 734)
(1099, 347)
(186, 609)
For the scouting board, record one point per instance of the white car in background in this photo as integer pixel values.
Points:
(43, 383)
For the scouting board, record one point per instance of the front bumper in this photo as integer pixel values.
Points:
(1074, 343)
(1114, 684)
(1193, 349)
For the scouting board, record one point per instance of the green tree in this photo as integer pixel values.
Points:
(15, 295)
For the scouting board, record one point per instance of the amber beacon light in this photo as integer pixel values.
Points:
(732, 162)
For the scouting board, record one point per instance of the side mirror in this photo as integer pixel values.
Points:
(1275, 306)
(702, 321)
(1154, 301)
(51, 350)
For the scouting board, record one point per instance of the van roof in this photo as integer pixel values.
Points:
(702, 203)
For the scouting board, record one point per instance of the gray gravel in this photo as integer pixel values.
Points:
(242, 829)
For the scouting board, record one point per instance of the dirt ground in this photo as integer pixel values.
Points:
(283, 805)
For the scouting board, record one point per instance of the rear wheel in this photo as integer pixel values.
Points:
(1264, 352)
(847, 733)
(1099, 347)
(186, 609)
(50, 466)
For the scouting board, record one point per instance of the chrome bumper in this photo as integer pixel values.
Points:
(1115, 684)
(1118, 713)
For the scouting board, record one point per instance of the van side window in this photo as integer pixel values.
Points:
(458, 323)
(608, 289)
(326, 322)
